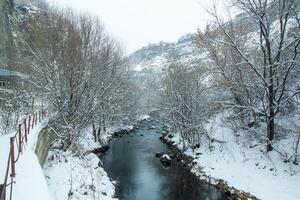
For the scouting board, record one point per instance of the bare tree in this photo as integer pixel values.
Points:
(228, 71)
(185, 102)
(78, 66)
(271, 56)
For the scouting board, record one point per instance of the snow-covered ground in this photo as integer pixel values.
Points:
(65, 174)
(72, 177)
(87, 141)
(30, 181)
(80, 176)
(246, 165)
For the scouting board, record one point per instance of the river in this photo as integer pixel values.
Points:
(140, 175)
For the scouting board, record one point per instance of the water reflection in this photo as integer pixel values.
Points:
(131, 161)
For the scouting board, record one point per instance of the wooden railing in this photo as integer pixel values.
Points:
(17, 145)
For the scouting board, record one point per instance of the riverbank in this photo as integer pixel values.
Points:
(70, 176)
(240, 169)
(78, 173)
(197, 171)
(131, 160)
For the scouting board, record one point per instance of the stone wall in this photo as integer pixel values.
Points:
(46, 137)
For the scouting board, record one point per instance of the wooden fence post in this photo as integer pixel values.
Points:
(25, 128)
(20, 138)
(2, 192)
(36, 117)
(12, 157)
(32, 121)
(29, 124)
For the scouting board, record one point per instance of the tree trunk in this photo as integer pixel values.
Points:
(104, 124)
(296, 150)
(94, 133)
(271, 133)
(271, 122)
(99, 134)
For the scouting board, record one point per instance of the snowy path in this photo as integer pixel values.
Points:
(30, 181)
(4, 151)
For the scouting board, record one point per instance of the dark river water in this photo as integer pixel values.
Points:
(131, 161)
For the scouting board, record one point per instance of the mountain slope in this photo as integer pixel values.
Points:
(156, 57)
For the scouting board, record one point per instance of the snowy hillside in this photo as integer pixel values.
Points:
(157, 57)
(149, 64)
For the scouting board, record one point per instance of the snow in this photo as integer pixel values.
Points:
(89, 180)
(156, 58)
(143, 117)
(80, 176)
(154, 64)
(30, 180)
(166, 156)
(4, 151)
(87, 139)
(262, 174)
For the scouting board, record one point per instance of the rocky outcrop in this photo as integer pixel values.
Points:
(5, 30)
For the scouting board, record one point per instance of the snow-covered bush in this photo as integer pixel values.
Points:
(12, 107)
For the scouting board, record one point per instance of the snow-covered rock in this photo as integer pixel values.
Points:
(166, 160)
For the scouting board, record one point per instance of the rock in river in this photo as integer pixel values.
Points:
(165, 160)
(102, 149)
(159, 154)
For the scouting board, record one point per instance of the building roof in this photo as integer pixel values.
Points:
(6, 73)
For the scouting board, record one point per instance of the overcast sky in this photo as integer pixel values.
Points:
(137, 23)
